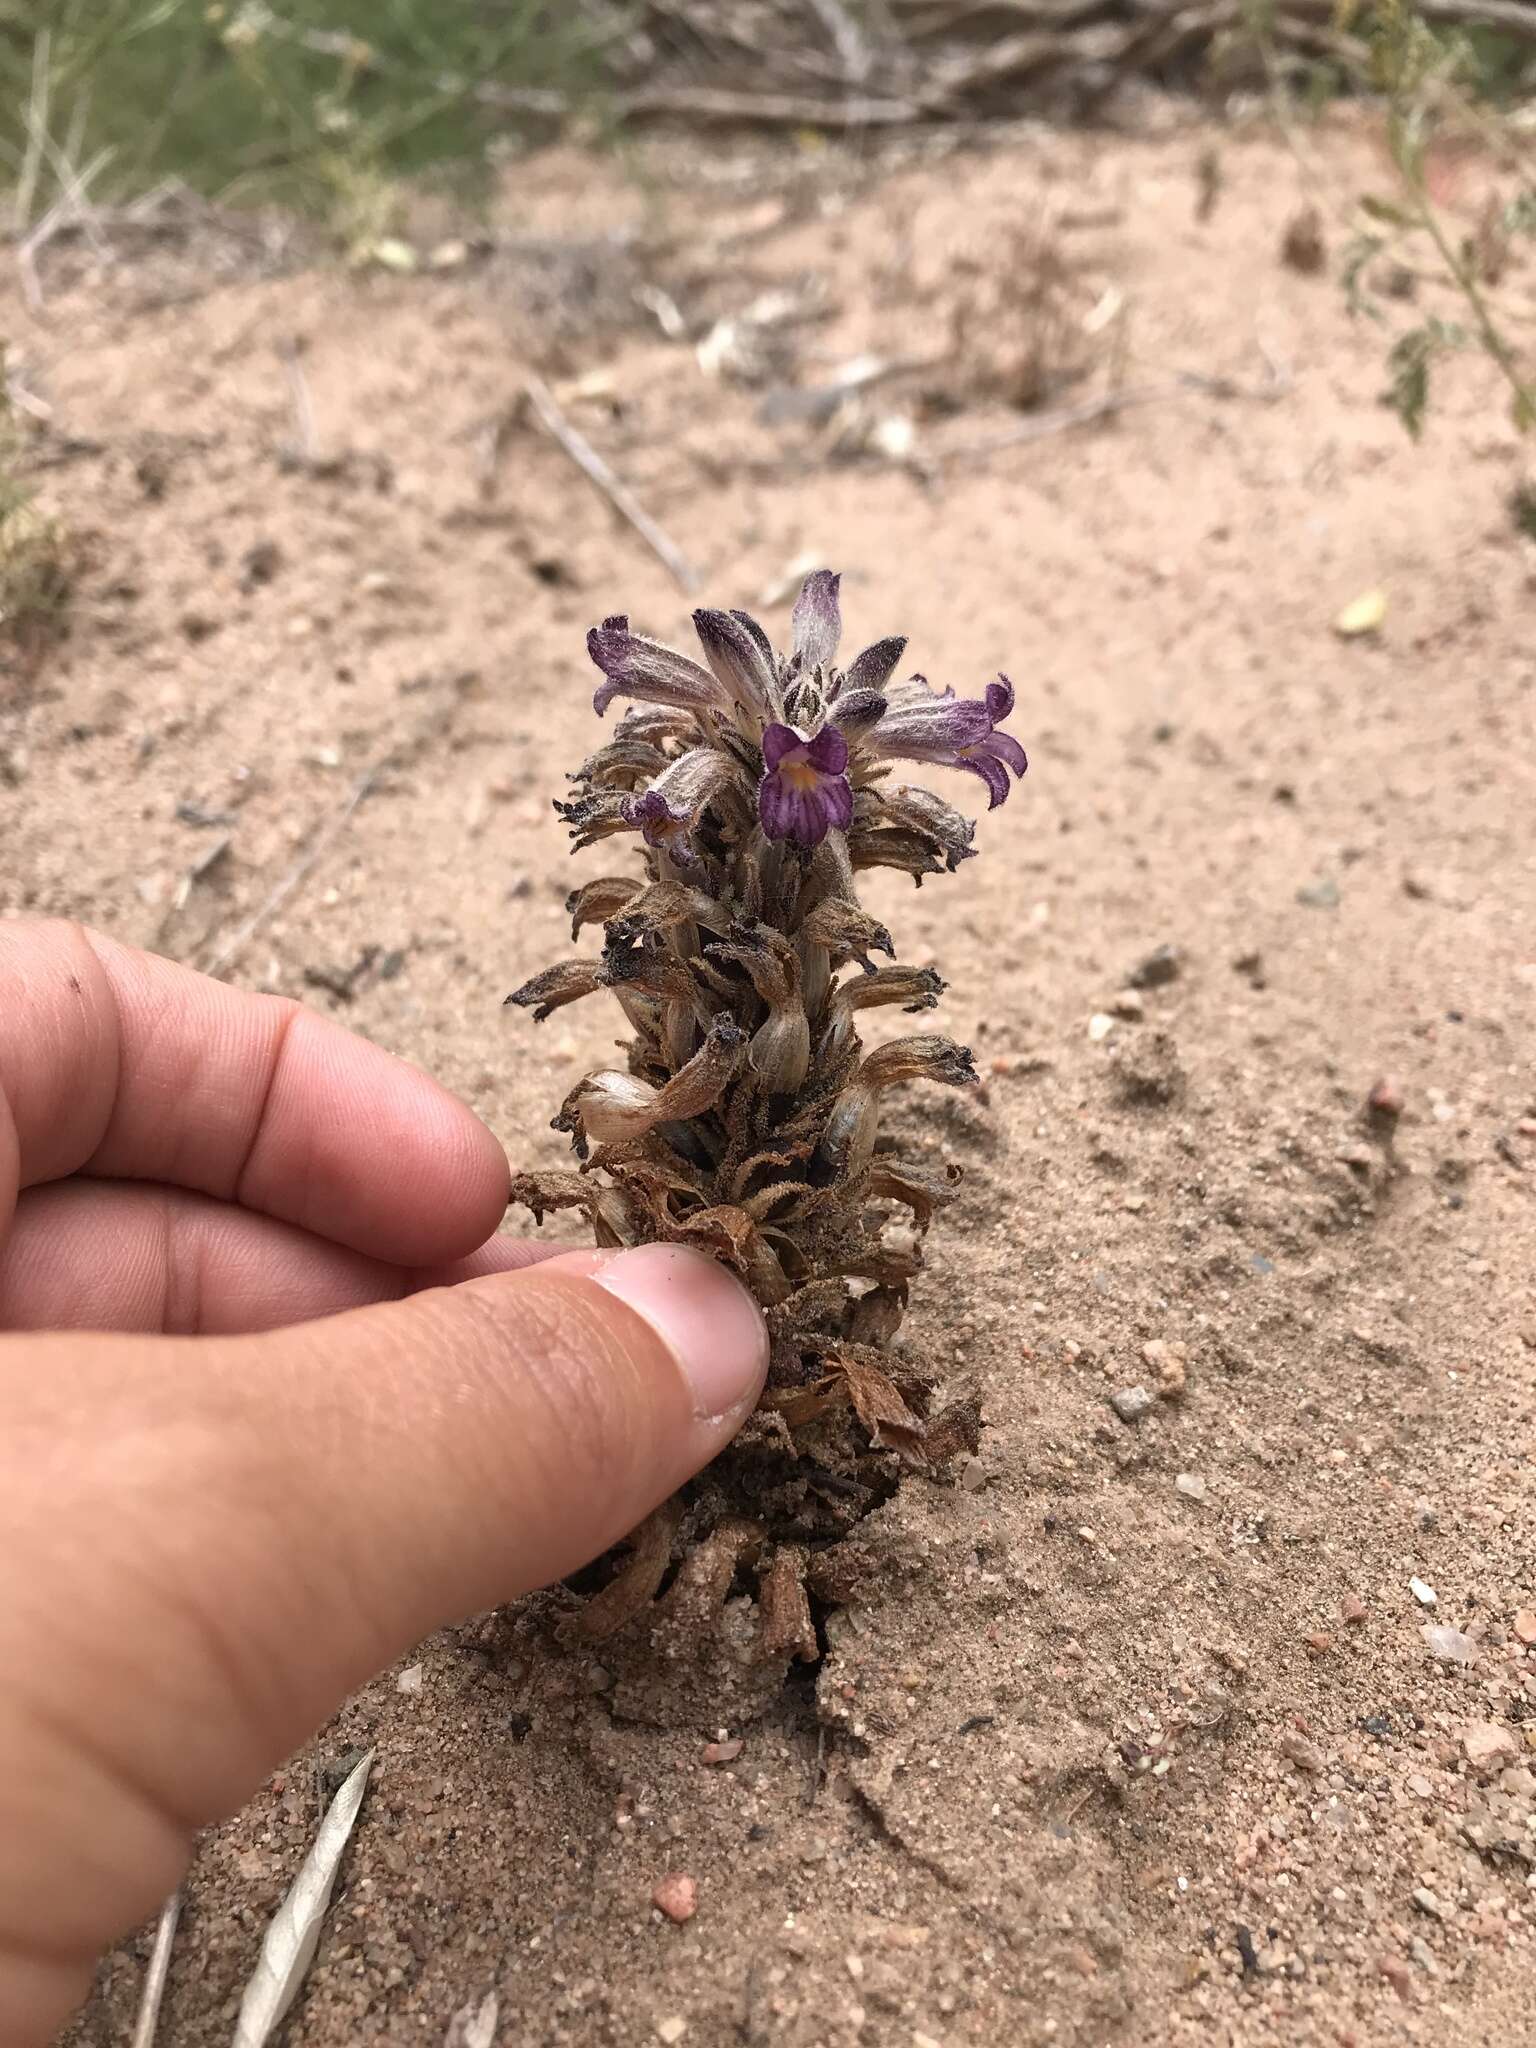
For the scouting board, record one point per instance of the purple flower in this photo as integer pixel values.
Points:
(637, 667)
(661, 826)
(951, 732)
(805, 789)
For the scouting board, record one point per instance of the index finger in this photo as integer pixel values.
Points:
(125, 1066)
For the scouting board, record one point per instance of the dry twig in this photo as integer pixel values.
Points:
(321, 839)
(156, 1974)
(618, 493)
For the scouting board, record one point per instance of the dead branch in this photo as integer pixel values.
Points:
(618, 493)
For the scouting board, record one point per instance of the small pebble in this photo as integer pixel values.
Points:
(1485, 1742)
(1191, 1485)
(1100, 1025)
(1162, 965)
(724, 1752)
(1448, 1644)
(1353, 1610)
(1171, 1364)
(1420, 1786)
(1131, 1403)
(1319, 1643)
(1525, 1625)
(1397, 1974)
(1306, 1756)
(677, 1896)
(1129, 1005)
(1426, 1902)
(409, 1679)
(1385, 1099)
(1424, 1594)
(671, 2031)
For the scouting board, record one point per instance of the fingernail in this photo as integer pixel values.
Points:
(703, 1315)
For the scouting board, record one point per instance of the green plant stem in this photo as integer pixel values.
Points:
(1466, 283)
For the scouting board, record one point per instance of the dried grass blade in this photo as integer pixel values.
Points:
(155, 1976)
(294, 1934)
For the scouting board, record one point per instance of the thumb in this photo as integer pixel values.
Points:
(205, 1544)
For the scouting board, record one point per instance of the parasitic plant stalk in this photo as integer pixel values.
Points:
(747, 1120)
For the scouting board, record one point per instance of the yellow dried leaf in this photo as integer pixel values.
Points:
(1365, 615)
(390, 253)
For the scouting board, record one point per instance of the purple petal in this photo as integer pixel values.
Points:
(1006, 748)
(817, 620)
(740, 663)
(804, 815)
(778, 807)
(828, 752)
(651, 811)
(872, 670)
(837, 798)
(992, 773)
(931, 729)
(634, 666)
(999, 699)
(778, 741)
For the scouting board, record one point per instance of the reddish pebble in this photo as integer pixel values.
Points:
(1525, 1624)
(1385, 1099)
(1397, 1974)
(677, 1896)
(723, 1752)
(1354, 1609)
(1320, 1644)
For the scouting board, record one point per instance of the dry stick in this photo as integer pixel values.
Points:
(322, 838)
(847, 38)
(155, 1976)
(305, 444)
(618, 494)
(71, 202)
(37, 128)
(1042, 425)
(1045, 424)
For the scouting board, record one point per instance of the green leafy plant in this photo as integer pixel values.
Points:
(1431, 83)
(298, 101)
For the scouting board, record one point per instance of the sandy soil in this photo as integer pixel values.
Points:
(1138, 1738)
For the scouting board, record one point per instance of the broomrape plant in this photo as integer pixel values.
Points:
(748, 1118)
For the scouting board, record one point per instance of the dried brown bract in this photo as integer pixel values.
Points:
(748, 1116)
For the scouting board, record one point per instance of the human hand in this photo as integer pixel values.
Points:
(217, 1522)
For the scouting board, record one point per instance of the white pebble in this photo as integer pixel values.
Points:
(409, 1679)
(1424, 1594)
(1448, 1644)
(1100, 1025)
